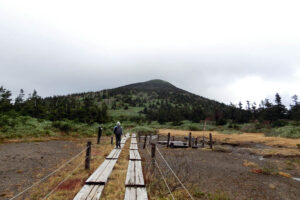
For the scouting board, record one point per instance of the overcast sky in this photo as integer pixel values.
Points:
(229, 50)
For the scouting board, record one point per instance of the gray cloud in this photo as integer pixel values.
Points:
(68, 53)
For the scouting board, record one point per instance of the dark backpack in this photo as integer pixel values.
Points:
(118, 130)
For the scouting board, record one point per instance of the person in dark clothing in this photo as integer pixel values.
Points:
(118, 131)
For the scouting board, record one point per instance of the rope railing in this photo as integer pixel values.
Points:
(50, 174)
(67, 177)
(160, 171)
(175, 174)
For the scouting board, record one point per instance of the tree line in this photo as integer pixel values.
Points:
(272, 113)
(53, 108)
(161, 106)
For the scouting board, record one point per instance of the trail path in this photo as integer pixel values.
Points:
(135, 186)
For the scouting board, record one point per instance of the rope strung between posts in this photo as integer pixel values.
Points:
(43, 179)
(175, 174)
(67, 177)
(162, 176)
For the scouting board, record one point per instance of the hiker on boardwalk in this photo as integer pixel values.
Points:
(118, 132)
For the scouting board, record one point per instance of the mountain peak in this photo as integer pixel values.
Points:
(154, 85)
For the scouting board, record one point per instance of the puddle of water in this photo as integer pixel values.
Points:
(297, 179)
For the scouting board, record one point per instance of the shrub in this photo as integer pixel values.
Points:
(279, 123)
(143, 130)
(286, 131)
(221, 122)
(194, 128)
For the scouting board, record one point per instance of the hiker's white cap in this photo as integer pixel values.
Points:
(118, 123)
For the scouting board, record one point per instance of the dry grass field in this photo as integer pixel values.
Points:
(237, 138)
(224, 173)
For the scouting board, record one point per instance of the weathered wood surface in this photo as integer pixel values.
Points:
(134, 155)
(114, 154)
(100, 176)
(154, 137)
(133, 147)
(136, 193)
(89, 192)
(124, 139)
(133, 135)
(133, 141)
(134, 174)
(174, 143)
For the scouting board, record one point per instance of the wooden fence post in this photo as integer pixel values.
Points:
(150, 138)
(88, 155)
(210, 141)
(157, 137)
(190, 139)
(145, 141)
(99, 135)
(203, 141)
(153, 150)
(139, 137)
(168, 142)
(196, 141)
(112, 140)
(173, 138)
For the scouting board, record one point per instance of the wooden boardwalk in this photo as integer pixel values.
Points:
(94, 185)
(135, 184)
(134, 155)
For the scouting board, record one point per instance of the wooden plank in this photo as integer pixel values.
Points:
(101, 175)
(102, 179)
(136, 193)
(154, 137)
(84, 192)
(89, 192)
(114, 154)
(133, 141)
(133, 135)
(134, 175)
(133, 147)
(95, 192)
(134, 155)
(139, 178)
(130, 174)
(123, 140)
(130, 193)
(117, 154)
(141, 193)
(99, 192)
(98, 171)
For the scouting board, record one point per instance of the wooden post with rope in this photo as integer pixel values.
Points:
(190, 139)
(139, 137)
(145, 141)
(168, 142)
(88, 155)
(99, 135)
(210, 141)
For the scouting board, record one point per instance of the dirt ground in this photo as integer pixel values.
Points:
(227, 172)
(22, 164)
